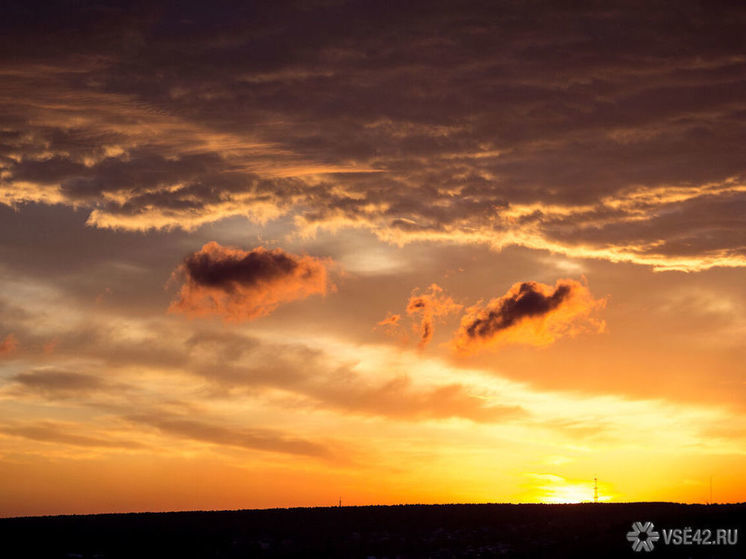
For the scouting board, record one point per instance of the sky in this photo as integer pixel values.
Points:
(281, 254)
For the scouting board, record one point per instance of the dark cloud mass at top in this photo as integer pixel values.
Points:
(604, 130)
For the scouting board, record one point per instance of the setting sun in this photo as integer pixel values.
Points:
(555, 489)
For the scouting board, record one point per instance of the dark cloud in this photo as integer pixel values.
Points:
(502, 123)
(530, 313)
(245, 285)
(210, 268)
(526, 302)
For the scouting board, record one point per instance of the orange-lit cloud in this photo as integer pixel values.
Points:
(391, 325)
(530, 313)
(8, 345)
(244, 285)
(390, 320)
(431, 305)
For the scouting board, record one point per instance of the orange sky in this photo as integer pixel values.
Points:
(282, 256)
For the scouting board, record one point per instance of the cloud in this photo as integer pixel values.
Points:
(245, 285)
(8, 345)
(397, 398)
(390, 320)
(63, 433)
(314, 378)
(253, 439)
(588, 132)
(216, 365)
(59, 384)
(530, 313)
(431, 305)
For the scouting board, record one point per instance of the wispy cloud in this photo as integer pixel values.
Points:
(61, 384)
(430, 305)
(64, 433)
(242, 437)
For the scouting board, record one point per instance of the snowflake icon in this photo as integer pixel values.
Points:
(642, 536)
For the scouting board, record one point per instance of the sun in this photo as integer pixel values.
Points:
(568, 494)
(554, 489)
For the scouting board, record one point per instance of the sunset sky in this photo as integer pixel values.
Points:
(263, 254)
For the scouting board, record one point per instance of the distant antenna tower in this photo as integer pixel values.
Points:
(710, 489)
(595, 490)
(340, 502)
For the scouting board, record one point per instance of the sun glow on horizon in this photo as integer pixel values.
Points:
(554, 489)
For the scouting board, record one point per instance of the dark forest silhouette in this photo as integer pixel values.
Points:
(407, 531)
